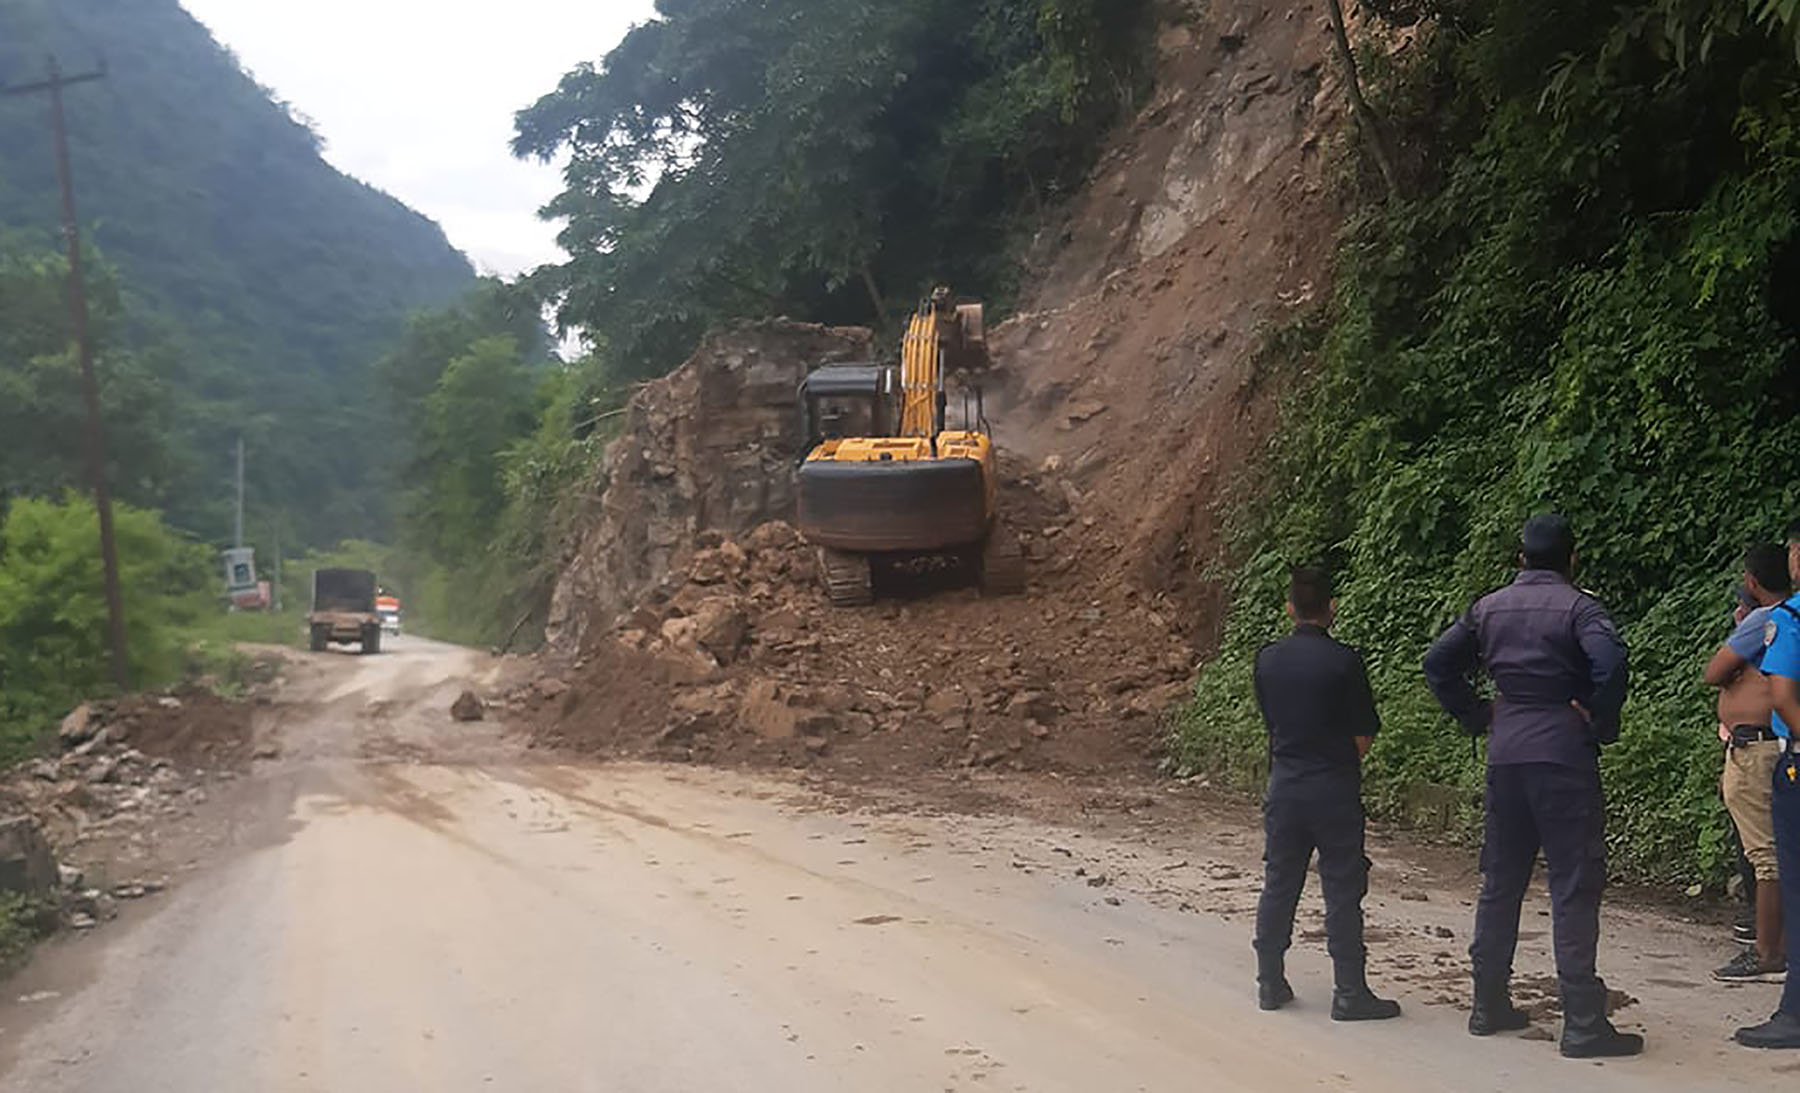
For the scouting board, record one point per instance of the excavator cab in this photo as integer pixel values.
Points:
(846, 400)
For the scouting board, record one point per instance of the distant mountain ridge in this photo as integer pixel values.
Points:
(270, 280)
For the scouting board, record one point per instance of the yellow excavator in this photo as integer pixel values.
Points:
(885, 483)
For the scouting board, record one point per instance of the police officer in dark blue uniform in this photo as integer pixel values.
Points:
(1559, 675)
(1315, 700)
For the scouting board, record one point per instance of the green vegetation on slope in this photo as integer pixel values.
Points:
(1587, 302)
(53, 616)
(494, 437)
(255, 284)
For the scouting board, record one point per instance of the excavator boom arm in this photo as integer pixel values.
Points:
(921, 375)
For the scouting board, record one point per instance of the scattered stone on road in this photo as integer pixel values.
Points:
(468, 707)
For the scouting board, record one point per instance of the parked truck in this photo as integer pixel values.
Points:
(343, 610)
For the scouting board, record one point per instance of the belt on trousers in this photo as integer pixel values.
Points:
(1742, 736)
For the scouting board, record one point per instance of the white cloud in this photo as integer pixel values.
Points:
(417, 97)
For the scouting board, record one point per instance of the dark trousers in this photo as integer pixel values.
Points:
(1307, 811)
(1786, 810)
(1560, 810)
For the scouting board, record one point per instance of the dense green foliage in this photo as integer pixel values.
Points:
(254, 283)
(1589, 304)
(828, 160)
(41, 413)
(495, 436)
(52, 614)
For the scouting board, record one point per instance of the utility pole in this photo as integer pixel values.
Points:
(237, 526)
(84, 347)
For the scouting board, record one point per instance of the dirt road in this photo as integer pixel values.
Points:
(486, 921)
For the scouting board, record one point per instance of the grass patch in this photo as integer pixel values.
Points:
(213, 647)
(24, 921)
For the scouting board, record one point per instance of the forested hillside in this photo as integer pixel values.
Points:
(248, 286)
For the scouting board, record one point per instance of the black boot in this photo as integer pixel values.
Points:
(1361, 1004)
(1587, 1034)
(1272, 990)
(1354, 1001)
(1493, 1010)
(1272, 994)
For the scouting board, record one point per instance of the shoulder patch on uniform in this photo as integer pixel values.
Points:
(1769, 628)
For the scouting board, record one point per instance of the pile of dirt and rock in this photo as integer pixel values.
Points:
(710, 448)
(736, 656)
(122, 768)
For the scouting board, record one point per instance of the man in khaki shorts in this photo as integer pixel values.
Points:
(1751, 752)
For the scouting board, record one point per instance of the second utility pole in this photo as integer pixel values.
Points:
(84, 348)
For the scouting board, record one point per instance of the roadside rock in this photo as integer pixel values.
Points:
(765, 713)
(720, 626)
(468, 707)
(78, 726)
(26, 864)
(1033, 706)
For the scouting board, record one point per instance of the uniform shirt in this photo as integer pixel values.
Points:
(1544, 643)
(1315, 701)
(1782, 657)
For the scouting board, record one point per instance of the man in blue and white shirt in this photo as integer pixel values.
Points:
(1752, 751)
(1781, 663)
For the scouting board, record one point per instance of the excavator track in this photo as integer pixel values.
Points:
(1002, 564)
(849, 579)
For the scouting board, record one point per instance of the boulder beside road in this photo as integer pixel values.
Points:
(26, 865)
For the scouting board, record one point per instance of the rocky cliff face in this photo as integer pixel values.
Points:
(709, 448)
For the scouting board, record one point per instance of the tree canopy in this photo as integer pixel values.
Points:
(825, 158)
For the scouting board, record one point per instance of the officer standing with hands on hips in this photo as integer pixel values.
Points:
(1559, 674)
(1315, 700)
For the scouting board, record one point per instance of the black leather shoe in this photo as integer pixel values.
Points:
(1362, 1005)
(1272, 994)
(1779, 1031)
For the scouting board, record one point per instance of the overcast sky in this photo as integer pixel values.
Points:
(417, 97)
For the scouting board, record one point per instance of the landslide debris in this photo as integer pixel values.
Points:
(736, 657)
(77, 827)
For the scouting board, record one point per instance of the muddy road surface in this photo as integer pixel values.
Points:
(400, 902)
